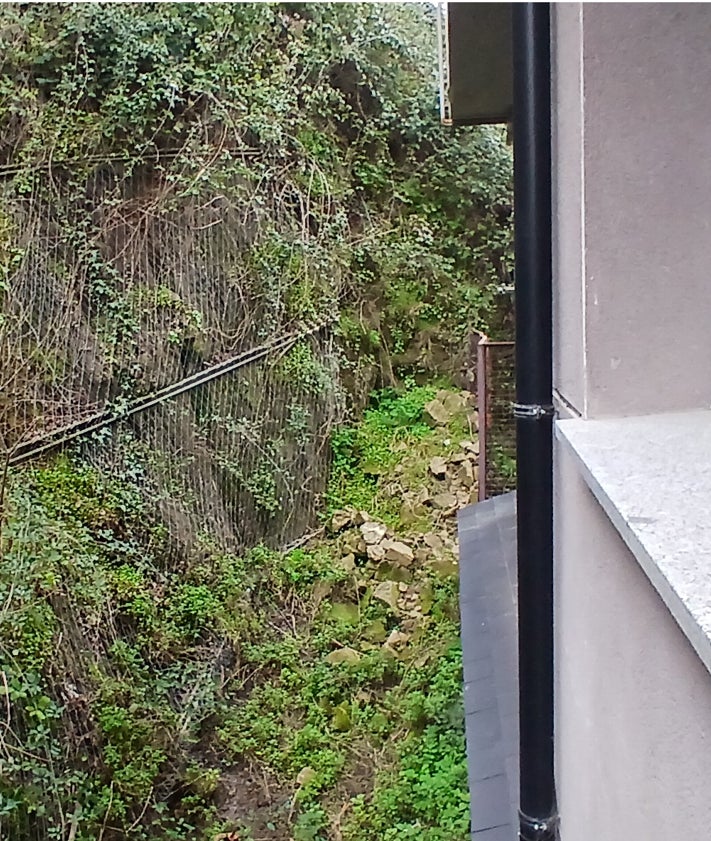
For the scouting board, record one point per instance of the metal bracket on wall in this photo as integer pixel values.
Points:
(535, 829)
(532, 411)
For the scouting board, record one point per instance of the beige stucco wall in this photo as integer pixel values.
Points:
(632, 300)
(567, 197)
(633, 701)
(632, 204)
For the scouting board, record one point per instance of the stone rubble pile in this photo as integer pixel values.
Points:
(391, 567)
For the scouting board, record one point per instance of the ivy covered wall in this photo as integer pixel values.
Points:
(313, 128)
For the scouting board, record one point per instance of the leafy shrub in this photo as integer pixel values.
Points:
(369, 449)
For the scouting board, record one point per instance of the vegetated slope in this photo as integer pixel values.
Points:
(178, 183)
(286, 158)
(308, 694)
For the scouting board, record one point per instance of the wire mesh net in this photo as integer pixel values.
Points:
(137, 313)
(143, 344)
(236, 461)
(120, 280)
(496, 385)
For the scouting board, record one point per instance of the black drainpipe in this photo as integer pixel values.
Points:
(534, 413)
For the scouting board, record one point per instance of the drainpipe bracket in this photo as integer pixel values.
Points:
(532, 411)
(537, 829)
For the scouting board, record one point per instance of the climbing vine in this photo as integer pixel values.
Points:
(291, 153)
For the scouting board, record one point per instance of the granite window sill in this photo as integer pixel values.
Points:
(652, 476)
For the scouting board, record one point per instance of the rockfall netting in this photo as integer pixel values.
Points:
(140, 330)
(184, 397)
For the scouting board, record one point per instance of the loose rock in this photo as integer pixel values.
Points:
(350, 543)
(341, 519)
(373, 532)
(389, 571)
(462, 498)
(422, 555)
(399, 553)
(434, 541)
(375, 631)
(346, 612)
(321, 589)
(305, 776)
(444, 500)
(438, 467)
(347, 562)
(444, 567)
(387, 591)
(343, 655)
(466, 474)
(376, 551)
(436, 414)
(454, 403)
(396, 639)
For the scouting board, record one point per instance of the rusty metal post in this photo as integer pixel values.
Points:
(482, 387)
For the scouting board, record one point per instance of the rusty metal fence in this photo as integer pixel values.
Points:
(495, 385)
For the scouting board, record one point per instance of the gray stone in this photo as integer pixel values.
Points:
(436, 414)
(465, 474)
(444, 500)
(438, 467)
(343, 655)
(347, 562)
(434, 541)
(350, 544)
(373, 532)
(388, 592)
(652, 476)
(454, 402)
(341, 519)
(376, 552)
(399, 553)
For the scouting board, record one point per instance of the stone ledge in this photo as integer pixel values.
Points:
(652, 476)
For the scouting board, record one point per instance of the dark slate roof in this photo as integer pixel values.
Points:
(487, 570)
